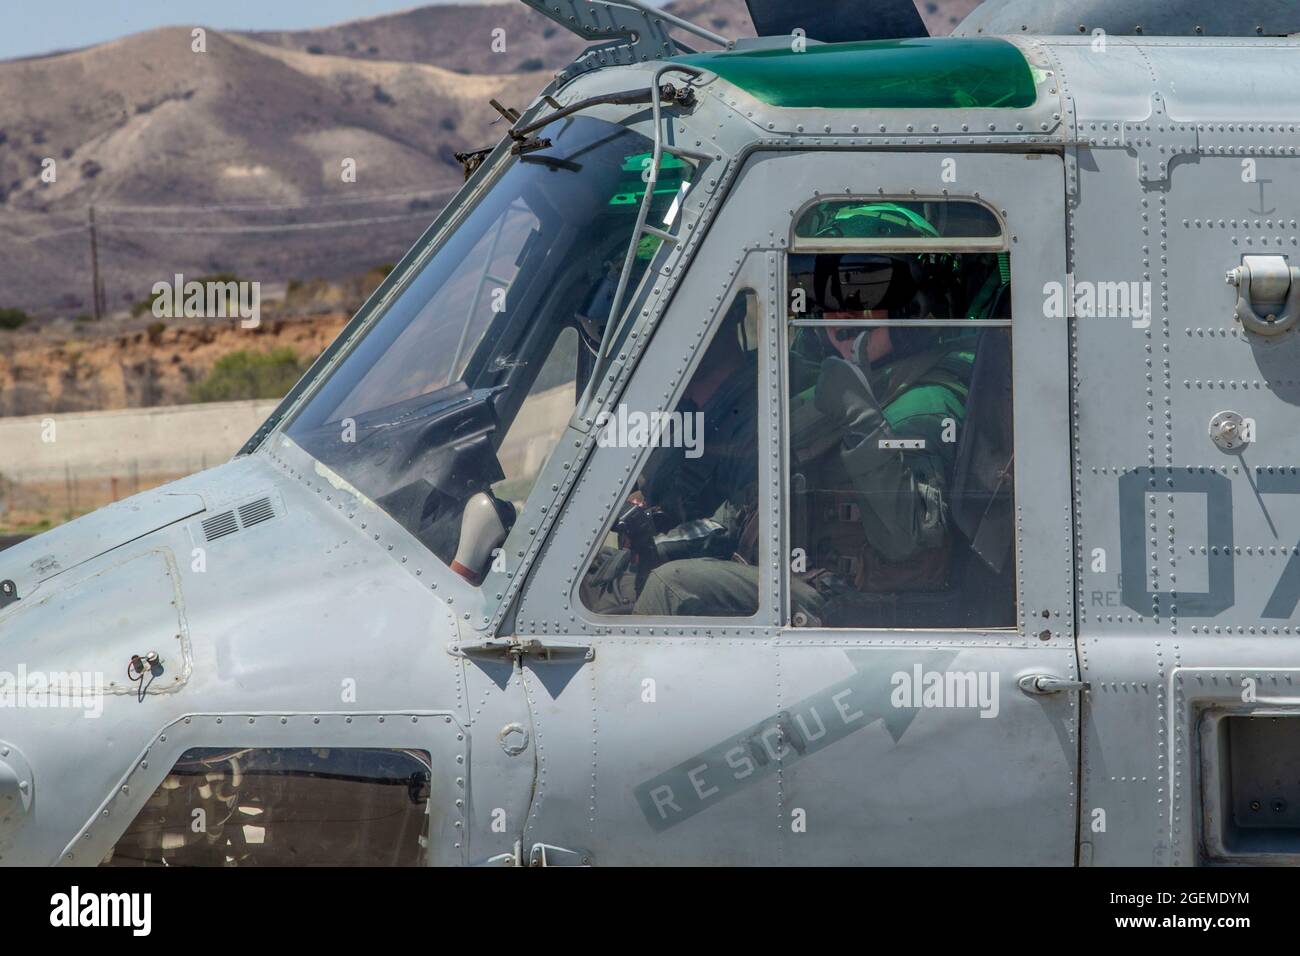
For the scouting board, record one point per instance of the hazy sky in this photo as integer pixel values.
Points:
(28, 28)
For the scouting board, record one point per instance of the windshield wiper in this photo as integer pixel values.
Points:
(553, 162)
(473, 159)
(524, 142)
(527, 142)
(668, 94)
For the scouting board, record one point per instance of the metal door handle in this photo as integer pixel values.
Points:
(1039, 684)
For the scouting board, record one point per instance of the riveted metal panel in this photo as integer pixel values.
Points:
(1215, 217)
(1183, 548)
(923, 784)
(132, 605)
(49, 555)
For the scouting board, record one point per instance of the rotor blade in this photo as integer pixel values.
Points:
(838, 21)
(1211, 18)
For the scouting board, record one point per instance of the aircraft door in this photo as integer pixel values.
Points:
(668, 589)
(928, 646)
(838, 628)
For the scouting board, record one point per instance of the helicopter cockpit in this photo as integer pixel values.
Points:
(462, 383)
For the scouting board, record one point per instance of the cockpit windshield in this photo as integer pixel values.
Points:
(462, 384)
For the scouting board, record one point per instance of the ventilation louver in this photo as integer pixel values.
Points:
(220, 525)
(245, 516)
(255, 512)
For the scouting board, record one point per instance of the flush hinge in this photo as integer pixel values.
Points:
(513, 858)
(543, 854)
(512, 649)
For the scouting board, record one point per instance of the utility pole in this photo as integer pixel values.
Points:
(96, 290)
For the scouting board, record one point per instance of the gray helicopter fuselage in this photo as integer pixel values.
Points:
(1136, 712)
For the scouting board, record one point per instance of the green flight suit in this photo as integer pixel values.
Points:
(898, 430)
(711, 500)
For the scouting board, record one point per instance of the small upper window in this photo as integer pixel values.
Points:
(848, 223)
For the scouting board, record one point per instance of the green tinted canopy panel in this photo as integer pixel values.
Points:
(897, 219)
(919, 73)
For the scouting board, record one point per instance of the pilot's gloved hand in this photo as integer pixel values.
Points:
(637, 525)
(845, 397)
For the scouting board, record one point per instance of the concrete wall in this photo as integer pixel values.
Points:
(57, 466)
(136, 441)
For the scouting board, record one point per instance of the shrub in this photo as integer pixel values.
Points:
(13, 318)
(247, 375)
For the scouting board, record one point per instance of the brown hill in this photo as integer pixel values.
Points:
(458, 37)
(231, 160)
(146, 121)
(144, 130)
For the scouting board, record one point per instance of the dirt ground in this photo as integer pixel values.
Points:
(27, 509)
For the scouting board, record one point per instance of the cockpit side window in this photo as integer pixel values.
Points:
(686, 541)
(899, 428)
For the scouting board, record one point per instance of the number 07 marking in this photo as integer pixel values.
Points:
(1133, 491)
(1282, 602)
